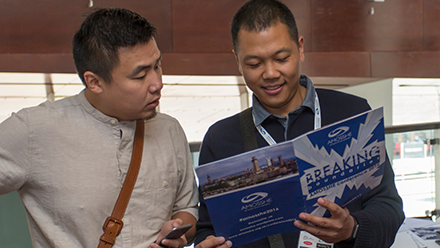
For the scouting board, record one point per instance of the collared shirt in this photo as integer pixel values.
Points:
(68, 162)
(260, 114)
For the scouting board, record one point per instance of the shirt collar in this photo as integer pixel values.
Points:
(89, 108)
(260, 114)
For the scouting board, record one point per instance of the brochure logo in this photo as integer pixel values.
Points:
(255, 200)
(338, 131)
(257, 196)
(339, 135)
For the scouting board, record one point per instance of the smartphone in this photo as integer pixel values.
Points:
(175, 233)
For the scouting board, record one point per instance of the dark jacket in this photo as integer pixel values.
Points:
(379, 212)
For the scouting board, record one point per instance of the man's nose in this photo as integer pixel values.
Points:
(156, 84)
(271, 71)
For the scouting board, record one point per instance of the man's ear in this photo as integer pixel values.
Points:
(301, 48)
(94, 82)
(236, 60)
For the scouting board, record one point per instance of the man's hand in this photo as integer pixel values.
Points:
(180, 242)
(334, 229)
(217, 242)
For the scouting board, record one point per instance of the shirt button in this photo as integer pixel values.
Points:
(120, 154)
(165, 183)
(113, 122)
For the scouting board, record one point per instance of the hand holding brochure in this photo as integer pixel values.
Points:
(261, 192)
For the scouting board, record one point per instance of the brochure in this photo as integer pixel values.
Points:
(261, 192)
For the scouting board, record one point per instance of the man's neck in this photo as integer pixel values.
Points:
(95, 101)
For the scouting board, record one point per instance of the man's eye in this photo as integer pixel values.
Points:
(283, 59)
(139, 78)
(158, 64)
(254, 65)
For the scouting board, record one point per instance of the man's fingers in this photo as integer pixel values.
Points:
(227, 244)
(335, 210)
(333, 229)
(174, 242)
(315, 220)
(177, 222)
(317, 231)
(217, 242)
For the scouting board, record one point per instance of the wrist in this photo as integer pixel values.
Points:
(355, 230)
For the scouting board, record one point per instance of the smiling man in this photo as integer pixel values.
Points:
(68, 159)
(269, 52)
(272, 73)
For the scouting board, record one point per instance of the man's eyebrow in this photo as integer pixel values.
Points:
(143, 67)
(250, 57)
(282, 50)
(277, 52)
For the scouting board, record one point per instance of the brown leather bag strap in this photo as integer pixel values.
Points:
(113, 224)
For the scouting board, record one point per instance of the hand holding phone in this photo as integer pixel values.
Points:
(175, 233)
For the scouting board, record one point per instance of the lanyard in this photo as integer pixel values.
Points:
(269, 138)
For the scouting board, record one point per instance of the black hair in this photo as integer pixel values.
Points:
(96, 44)
(258, 15)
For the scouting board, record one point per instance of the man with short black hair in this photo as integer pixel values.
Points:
(68, 159)
(269, 51)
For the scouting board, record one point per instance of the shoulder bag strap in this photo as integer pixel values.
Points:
(248, 130)
(113, 224)
(250, 143)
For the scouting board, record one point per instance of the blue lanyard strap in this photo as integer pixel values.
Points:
(269, 138)
(317, 112)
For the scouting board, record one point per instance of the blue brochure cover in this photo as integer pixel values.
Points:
(261, 192)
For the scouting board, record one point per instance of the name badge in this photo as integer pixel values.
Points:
(307, 240)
